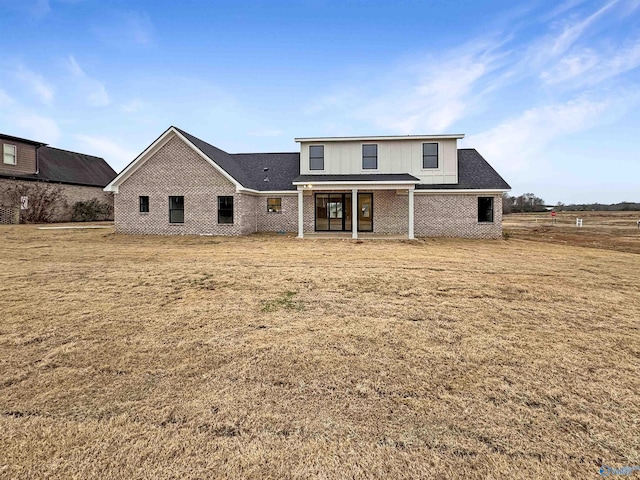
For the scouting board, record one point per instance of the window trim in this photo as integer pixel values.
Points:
(492, 199)
(220, 197)
(14, 154)
(177, 209)
(142, 204)
(279, 205)
(437, 155)
(312, 158)
(369, 156)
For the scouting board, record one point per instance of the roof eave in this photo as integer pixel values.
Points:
(380, 138)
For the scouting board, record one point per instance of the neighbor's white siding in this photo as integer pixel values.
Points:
(394, 156)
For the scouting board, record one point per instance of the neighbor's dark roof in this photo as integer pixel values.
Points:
(22, 140)
(365, 177)
(474, 173)
(63, 166)
(248, 168)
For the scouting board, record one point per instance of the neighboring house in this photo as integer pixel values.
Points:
(27, 164)
(418, 185)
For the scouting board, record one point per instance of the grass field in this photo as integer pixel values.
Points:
(129, 357)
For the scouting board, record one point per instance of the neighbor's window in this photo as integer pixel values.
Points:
(274, 205)
(144, 204)
(369, 157)
(429, 155)
(316, 157)
(485, 209)
(225, 209)
(9, 152)
(176, 209)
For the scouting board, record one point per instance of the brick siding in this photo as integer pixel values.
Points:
(72, 194)
(175, 169)
(453, 215)
(286, 221)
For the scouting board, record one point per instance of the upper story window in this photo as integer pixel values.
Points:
(316, 157)
(9, 154)
(429, 155)
(369, 157)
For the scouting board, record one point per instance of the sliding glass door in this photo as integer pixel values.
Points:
(333, 212)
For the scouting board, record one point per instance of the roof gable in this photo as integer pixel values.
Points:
(244, 170)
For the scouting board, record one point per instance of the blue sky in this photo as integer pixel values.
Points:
(548, 92)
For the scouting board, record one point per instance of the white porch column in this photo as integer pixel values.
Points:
(354, 213)
(411, 214)
(300, 214)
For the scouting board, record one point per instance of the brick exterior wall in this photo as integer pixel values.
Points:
(286, 221)
(25, 158)
(176, 170)
(453, 215)
(72, 194)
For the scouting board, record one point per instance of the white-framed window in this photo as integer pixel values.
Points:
(9, 154)
(370, 157)
(429, 155)
(316, 157)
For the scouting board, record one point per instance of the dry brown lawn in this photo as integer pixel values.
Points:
(609, 230)
(127, 357)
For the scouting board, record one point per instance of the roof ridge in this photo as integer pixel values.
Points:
(265, 153)
(71, 151)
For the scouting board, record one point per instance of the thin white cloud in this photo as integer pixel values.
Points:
(589, 67)
(94, 92)
(126, 29)
(5, 99)
(113, 152)
(571, 33)
(132, 106)
(417, 95)
(33, 125)
(519, 143)
(38, 85)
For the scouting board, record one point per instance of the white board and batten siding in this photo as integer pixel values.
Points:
(344, 157)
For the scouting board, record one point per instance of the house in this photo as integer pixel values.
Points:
(30, 167)
(418, 185)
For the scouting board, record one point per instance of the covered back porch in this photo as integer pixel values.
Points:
(356, 206)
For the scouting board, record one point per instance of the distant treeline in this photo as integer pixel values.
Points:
(598, 207)
(528, 202)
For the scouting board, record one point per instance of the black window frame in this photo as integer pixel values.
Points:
(316, 157)
(277, 207)
(486, 211)
(369, 157)
(430, 156)
(172, 203)
(143, 203)
(226, 208)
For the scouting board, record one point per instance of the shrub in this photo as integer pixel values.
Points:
(44, 201)
(91, 211)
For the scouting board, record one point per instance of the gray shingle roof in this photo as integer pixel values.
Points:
(248, 168)
(365, 177)
(62, 166)
(474, 173)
